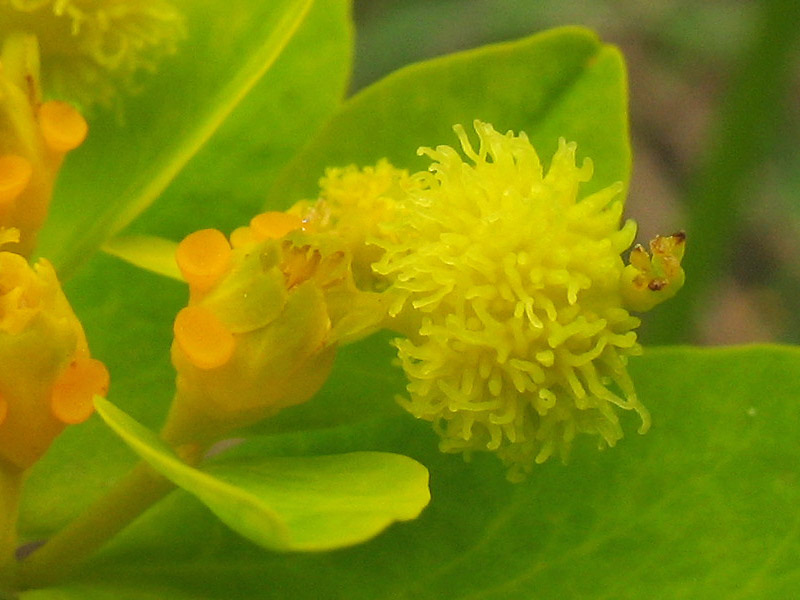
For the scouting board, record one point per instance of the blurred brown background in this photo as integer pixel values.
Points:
(715, 123)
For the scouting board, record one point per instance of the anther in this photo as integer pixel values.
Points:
(63, 127)
(73, 391)
(203, 337)
(274, 225)
(203, 257)
(15, 173)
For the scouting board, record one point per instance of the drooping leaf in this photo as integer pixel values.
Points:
(291, 503)
(561, 83)
(123, 167)
(225, 184)
(703, 506)
(147, 252)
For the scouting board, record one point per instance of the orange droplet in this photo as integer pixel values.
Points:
(3, 409)
(203, 257)
(73, 391)
(274, 225)
(203, 337)
(15, 173)
(63, 127)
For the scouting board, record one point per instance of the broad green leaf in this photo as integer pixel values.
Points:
(123, 167)
(148, 252)
(703, 506)
(562, 83)
(225, 184)
(294, 503)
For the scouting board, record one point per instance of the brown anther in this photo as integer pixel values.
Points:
(15, 173)
(656, 285)
(63, 127)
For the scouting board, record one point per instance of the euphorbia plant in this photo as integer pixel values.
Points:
(498, 265)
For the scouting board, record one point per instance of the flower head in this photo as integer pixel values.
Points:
(91, 47)
(266, 312)
(48, 378)
(514, 288)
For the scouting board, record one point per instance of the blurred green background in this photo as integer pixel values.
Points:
(715, 121)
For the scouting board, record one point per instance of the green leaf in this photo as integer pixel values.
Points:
(562, 83)
(298, 503)
(224, 185)
(703, 506)
(148, 252)
(124, 167)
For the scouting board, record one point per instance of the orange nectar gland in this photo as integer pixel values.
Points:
(274, 225)
(203, 257)
(63, 127)
(15, 173)
(204, 339)
(271, 225)
(73, 391)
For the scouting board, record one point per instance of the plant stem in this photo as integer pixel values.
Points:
(11, 478)
(57, 558)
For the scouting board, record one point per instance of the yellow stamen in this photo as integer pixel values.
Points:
(3, 409)
(73, 391)
(63, 127)
(203, 337)
(15, 173)
(274, 225)
(203, 257)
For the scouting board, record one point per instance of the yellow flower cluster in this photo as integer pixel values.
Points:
(266, 311)
(48, 378)
(511, 292)
(34, 138)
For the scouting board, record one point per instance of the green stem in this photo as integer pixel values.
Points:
(131, 496)
(11, 478)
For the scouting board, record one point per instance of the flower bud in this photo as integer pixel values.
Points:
(34, 138)
(650, 279)
(48, 378)
(265, 315)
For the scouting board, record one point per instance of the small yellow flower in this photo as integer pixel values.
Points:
(514, 297)
(91, 47)
(354, 203)
(266, 312)
(34, 139)
(48, 378)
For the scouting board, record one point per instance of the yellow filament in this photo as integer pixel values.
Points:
(204, 339)
(63, 127)
(3, 409)
(203, 257)
(73, 391)
(15, 173)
